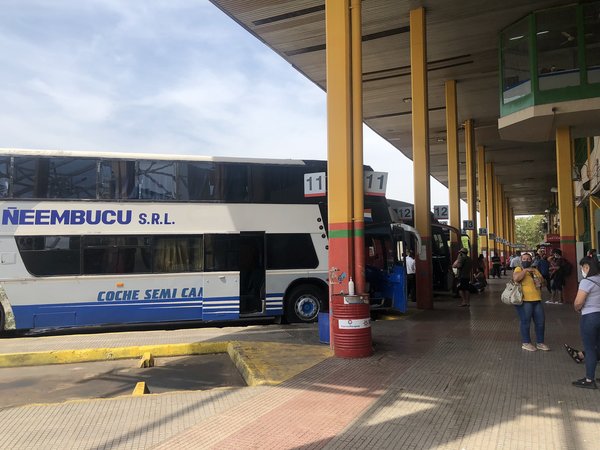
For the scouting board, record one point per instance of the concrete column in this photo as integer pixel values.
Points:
(481, 195)
(339, 144)
(357, 148)
(508, 221)
(491, 219)
(566, 202)
(453, 170)
(513, 234)
(471, 186)
(505, 229)
(420, 146)
(499, 216)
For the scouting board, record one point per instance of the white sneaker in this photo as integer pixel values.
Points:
(529, 347)
(542, 347)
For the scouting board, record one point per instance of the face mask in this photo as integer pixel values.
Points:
(526, 264)
(583, 273)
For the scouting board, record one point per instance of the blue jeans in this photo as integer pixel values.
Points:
(528, 311)
(590, 335)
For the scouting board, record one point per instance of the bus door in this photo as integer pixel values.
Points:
(385, 273)
(252, 273)
(221, 277)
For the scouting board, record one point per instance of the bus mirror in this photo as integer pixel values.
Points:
(400, 249)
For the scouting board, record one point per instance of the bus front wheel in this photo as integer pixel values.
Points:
(304, 303)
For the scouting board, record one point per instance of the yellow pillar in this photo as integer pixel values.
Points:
(499, 217)
(357, 148)
(420, 146)
(566, 202)
(453, 171)
(339, 143)
(505, 217)
(502, 215)
(491, 218)
(513, 234)
(481, 195)
(471, 193)
(508, 220)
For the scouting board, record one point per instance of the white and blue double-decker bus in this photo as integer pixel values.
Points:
(100, 238)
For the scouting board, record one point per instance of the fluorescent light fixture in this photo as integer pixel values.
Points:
(516, 38)
(543, 32)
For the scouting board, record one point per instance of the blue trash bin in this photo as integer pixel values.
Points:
(323, 320)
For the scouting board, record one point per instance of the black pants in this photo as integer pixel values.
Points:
(495, 270)
(411, 284)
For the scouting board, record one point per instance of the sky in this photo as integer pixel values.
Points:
(163, 76)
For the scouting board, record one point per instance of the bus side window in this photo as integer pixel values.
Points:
(117, 180)
(196, 181)
(221, 252)
(156, 180)
(4, 177)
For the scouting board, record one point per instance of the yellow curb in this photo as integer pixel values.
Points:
(391, 317)
(140, 389)
(103, 354)
(268, 363)
(259, 363)
(147, 360)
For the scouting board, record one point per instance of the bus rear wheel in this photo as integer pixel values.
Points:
(304, 303)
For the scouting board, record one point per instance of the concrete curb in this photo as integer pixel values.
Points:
(259, 363)
(109, 353)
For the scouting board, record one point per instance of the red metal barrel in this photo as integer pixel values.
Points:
(351, 326)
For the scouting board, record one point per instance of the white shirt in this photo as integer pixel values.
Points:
(410, 265)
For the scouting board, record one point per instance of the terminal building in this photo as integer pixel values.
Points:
(498, 101)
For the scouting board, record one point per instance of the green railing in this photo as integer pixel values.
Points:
(550, 56)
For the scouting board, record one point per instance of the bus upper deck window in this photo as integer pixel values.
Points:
(156, 180)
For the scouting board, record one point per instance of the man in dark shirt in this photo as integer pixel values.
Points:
(496, 263)
(464, 265)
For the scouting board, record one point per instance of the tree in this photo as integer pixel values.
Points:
(529, 230)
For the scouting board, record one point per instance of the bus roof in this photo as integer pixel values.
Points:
(149, 156)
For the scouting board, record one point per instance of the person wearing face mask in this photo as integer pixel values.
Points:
(587, 302)
(532, 308)
(557, 276)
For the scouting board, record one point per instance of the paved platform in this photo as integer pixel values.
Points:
(452, 378)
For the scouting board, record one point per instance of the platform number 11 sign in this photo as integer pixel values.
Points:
(375, 183)
(315, 184)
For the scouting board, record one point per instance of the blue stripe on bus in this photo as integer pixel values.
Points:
(113, 312)
(100, 313)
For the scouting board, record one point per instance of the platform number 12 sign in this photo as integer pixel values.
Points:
(440, 212)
